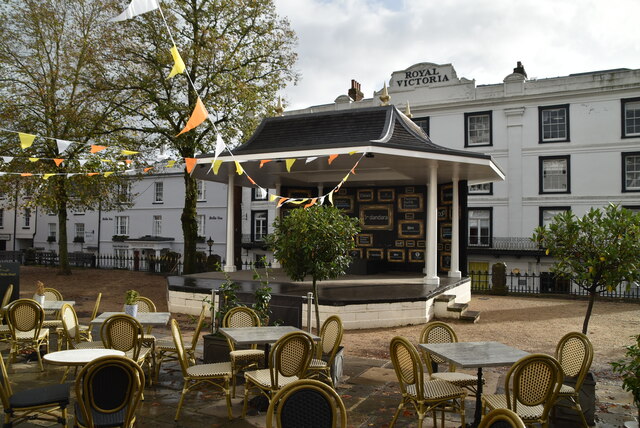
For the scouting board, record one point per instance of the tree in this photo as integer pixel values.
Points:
(598, 251)
(314, 242)
(238, 54)
(55, 56)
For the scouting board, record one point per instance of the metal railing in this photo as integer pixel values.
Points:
(507, 243)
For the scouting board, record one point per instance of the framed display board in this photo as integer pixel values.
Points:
(443, 213)
(411, 229)
(410, 202)
(445, 232)
(356, 253)
(386, 195)
(446, 193)
(365, 195)
(445, 262)
(379, 217)
(416, 256)
(299, 193)
(421, 244)
(364, 239)
(375, 253)
(344, 203)
(410, 243)
(395, 255)
(399, 243)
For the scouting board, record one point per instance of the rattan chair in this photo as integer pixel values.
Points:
(215, 374)
(47, 403)
(108, 392)
(242, 359)
(439, 332)
(166, 349)
(425, 396)
(575, 354)
(288, 361)
(325, 351)
(5, 333)
(74, 337)
(531, 389)
(124, 333)
(85, 329)
(25, 323)
(52, 316)
(501, 418)
(307, 403)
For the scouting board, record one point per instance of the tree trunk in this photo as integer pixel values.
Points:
(63, 251)
(315, 306)
(592, 299)
(189, 224)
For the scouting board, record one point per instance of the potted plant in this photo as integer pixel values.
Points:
(629, 368)
(130, 303)
(216, 348)
(262, 294)
(39, 296)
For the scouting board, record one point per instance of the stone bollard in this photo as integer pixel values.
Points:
(499, 279)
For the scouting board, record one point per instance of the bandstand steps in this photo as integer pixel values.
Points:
(445, 306)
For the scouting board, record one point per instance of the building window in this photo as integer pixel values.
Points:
(553, 123)
(423, 122)
(53, 229)
(548, 213)
(633, 208)
(123, 191)
(158, 192)
(200, 219)
(157, 225)
(477, 129)
(480, 189)
(202, 194)
(480, 227)
(27, 217)
(79, 231)
(554, 174)
(631, 172)
(121, 225)
(258, 194)
(631, 117)
(259, 225)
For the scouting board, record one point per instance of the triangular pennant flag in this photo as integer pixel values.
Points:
(58, 161)
(281, 201)
(197, 117)
(3, 173)
(251, 180)
(108, 173)
(71, 174)
(239, 169)
(63, 145)
(216, 166)
(313, 201)
(129, 152)
(46, 176)
(262, 162)
(353, 152)
(331, 197)
(331, 158)
(96, 148)
(147, 169)
(321, 200)
(7, 159)
(311, 159)
(136, 7)
(272, 197)
(34, 159)
(262, 193)
(26, 174)
(289, 163)
(91, 174)
(106, 160)
(82, 161)
(298, 201)
(178, 63)
(190, 164)
(26, 140)
(128, 161)
(170, 163)
(219, 146)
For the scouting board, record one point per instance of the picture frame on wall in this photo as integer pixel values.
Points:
(395, 255)
(446, 194)
(342, 191)
(445, 232)
(443, 213)
(421, 244)
(375, 254)
(355, 253)
(365, 195)
(364, 239)
(416, 256)
(410, 189)
(410, 243)
(445, 262)
(409, 216)
(411, 229)
(376, 217)
(386, 195)
(344, 203)
(399, 243)
(410, 202)
(299, 193)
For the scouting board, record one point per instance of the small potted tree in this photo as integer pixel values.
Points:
(39, 296)
(629, 368)
(216, 348)
(130, 303)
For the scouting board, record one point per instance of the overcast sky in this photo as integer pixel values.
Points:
(367, 40)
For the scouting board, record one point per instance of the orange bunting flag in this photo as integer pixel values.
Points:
(58, 161)
(313, 202)
(26, 140)
(251, 180)
(239, 169)
(128, 161)
(190, 164)
(96, 149)
(289, 163)
(331, 158)
(91, 174)
(26, 174)
(197, 117)
(262, 162)
(148, 169)
(281, 201)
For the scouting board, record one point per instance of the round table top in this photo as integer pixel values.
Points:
(79, 356)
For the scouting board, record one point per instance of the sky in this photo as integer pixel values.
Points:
(367, 40)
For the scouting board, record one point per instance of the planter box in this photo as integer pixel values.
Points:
(587, 402)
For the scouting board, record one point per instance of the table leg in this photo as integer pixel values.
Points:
(478, 412)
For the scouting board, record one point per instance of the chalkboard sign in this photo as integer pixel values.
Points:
(445, 231)
(365, 195)
(446, 194)
(10, 274)
(410, 243)
(399, 243)
(416, 256)
(421, 244)
(299, 193)
(345, 203)
(375, 253)
(443, 213)
(445, 262)
(410, 229)
(378, 217)
(395, 255)
(386, 195)
(412, 202)
(364, 239)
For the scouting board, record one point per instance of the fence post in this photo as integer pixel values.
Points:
(499, 279)
(309, 310)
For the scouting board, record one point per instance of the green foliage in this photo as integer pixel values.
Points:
(263, 293)
(629, 368)
(228, 298)
(131, 297)
(598, 251)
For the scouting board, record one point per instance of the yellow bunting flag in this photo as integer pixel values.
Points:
(178, 63)
(298, 202)
(281, 201)
(289, 163)
(262, 162)
(47, 176)
(170, 163)
(34, 159)
(129, 152)
(216, 166)
(272, 197)
(26, 174)
(190, 164)
(353, 152)
(239, 169)
(58, 161)
(96, 149)
(197, 117)
(26, 140)
(331, 158)
(108, 173)
(313, 202)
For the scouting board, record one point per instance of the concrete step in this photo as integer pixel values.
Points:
(447, 308)
(470, 316)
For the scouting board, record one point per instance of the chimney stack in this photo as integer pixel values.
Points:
(355, 93)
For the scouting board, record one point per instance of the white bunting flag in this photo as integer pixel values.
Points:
(135, 8)
(7, 159)
(310, 159)
(63, 145)
(219, 147)
(82, 161)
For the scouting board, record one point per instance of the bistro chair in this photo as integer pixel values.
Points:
(215, 374)
(108, 392)
(166, 349)
(52, 316)
(242, 359)
(85, 329)
(307, 403)
(72, 335)
(440, 332)
(25, 323)
(501, 418)
(325, 352)
(425, 396)
(531, 389)
(5, 333)
(47, 403)
(289, 361)
(124, 333)
(575, 354)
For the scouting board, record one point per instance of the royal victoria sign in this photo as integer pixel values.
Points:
(424, 74)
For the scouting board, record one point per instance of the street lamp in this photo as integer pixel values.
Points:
(210, 244)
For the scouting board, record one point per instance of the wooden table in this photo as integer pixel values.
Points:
(77, 357)
(154, 319)
(476, 355)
